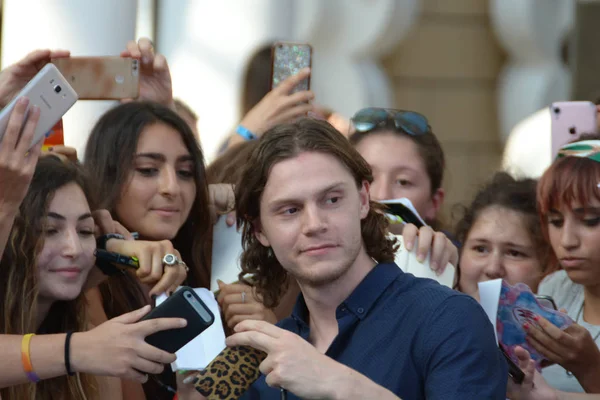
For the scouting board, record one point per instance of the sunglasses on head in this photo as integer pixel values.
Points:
(410, 122)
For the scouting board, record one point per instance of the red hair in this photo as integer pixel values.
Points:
(569, 181)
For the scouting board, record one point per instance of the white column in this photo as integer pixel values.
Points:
(531, 32)
(86, 27)
(208, 43)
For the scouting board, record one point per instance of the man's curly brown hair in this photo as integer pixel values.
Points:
(284, 142)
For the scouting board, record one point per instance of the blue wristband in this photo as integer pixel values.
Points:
(245, 133)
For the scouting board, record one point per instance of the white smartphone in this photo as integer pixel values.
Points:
(571, 119)
(51, 92)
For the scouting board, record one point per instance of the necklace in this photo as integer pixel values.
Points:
(580, 316)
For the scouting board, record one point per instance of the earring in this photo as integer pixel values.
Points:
(270, 252)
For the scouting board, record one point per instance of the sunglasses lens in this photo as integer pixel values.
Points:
(412, 123)
(368, 118)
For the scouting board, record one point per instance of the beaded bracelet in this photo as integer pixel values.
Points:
(26, 359)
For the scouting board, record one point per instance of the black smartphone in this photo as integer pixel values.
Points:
(186, 304)
(515, 373)
(403, 212)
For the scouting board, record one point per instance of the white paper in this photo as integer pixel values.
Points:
(198, 353)
(489, 296)
(407, 261)
(226, 252)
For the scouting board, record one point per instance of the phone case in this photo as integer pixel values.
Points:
(184, 303)
(287, 60)
(101, 78)
(230, 374)
(51, 92)
(570, 120)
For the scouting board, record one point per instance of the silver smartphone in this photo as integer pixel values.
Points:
(51, 92)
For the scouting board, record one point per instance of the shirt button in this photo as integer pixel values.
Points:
(360, 310)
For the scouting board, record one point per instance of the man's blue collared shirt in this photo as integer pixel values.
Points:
(413, 336)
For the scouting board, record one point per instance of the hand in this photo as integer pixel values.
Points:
(279, 105)
(155, 77)
(443, 251)
(292, 363)
(64, 153)
(150, 256)
(105, 224)
(17, 162)
(14, 77)
(117, 347)
(221, 199)
(574, 348)
(534, 387)
(239, 302)
(186, 390)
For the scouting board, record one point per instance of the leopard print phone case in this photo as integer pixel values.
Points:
(230, 374)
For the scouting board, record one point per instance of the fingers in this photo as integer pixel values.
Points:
(544, 344)
(154, 354)
(146, 50)
(37, 58)
(133, 49)
(236, 319)
(69, 152)
(293, 113)
(439, 249)
(148, 367)
(148, 327)
(409, 235)
(133, 316)
(104, 221)
(59, 53)
(171, 279)
(297, 98)
(28, 131)
(290, 83)
(230, 220)
(13, 129)
(257, 340)
(424, 243)
(243, 309)
(121, 230)
(261, 326)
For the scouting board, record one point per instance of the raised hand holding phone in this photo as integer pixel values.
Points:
(14, 77)
(118, 347)
(17, 160)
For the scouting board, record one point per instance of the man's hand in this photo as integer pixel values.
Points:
(295, 365)
(155, 77)
(14, 77)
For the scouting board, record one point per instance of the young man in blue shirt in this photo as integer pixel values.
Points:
(361, 328)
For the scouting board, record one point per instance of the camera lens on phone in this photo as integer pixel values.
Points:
(556, 110)
(572, 130)
(57, 89)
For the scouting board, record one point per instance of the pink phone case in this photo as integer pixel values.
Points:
(571, 119)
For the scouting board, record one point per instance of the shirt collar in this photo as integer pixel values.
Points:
(364, 297)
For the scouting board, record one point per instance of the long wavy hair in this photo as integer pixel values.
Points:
(19, 282)
(108, 160)
(288, 141)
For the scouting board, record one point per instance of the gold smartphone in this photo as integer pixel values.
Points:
(101, 78)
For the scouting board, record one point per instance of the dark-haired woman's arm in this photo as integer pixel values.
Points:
(17, 165)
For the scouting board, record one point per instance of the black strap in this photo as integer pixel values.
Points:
(68, 353)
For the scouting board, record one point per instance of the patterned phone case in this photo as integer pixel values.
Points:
(230, 374)
(288, 60)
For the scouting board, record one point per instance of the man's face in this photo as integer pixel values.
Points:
(310, 215)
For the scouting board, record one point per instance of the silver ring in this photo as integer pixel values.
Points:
(170, 260)
(243, 297)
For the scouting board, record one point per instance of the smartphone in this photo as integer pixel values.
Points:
(288, 59)
(101, 78)
(569, 120)
(51, 92)
(546, 301)
(184, 303)
(515, 373)
(241, 361)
